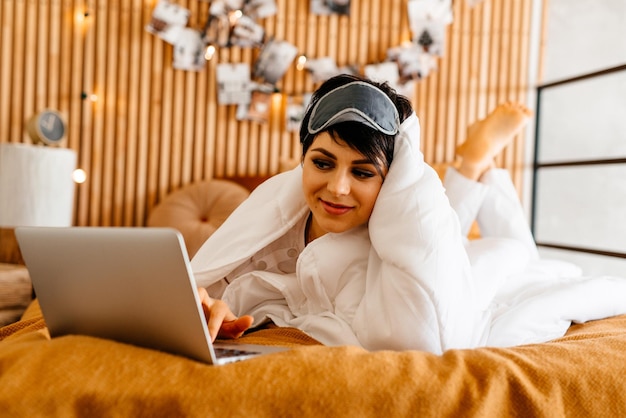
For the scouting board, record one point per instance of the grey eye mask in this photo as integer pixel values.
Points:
(355, 102)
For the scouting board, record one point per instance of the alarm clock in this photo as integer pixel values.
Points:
(46, 127)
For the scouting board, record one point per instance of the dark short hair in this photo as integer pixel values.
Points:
(374, 145)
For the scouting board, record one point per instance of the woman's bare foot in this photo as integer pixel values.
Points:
(487, 137)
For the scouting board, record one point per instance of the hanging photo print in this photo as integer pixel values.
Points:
(388, 71)
(296, 107)
(233, 22)
(236, 23)
(428, 20)
(217, 29)
(168, 19)
(413, 63)
(189, 51)
(246, 33)
(233, 84)
(259, 9)
(258, 109)
(329, 7)
(274, 60)
(321, 69)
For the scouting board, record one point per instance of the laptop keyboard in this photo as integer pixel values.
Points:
(230, 352)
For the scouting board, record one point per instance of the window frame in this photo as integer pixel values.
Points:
(537, 166)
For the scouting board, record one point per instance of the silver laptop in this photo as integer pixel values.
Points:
(132, 285)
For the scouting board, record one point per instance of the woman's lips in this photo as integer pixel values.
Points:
(335, 208)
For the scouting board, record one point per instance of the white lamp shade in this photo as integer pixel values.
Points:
(36, 186)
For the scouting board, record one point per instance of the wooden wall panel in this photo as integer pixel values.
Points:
(154, 129)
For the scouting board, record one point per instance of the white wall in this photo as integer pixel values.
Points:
(584, 36)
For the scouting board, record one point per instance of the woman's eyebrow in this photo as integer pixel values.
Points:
(325, 152)
(332, 156)
(358, 162)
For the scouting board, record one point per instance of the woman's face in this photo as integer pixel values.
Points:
(340, 186)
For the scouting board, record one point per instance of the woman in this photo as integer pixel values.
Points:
(360, 245)
(349, 247)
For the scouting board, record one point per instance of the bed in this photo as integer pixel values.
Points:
(580, 374)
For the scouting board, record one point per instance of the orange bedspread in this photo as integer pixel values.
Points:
(581, 374)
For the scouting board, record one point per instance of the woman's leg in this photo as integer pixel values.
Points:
(501, 214)
(466, 197)
(478, 191)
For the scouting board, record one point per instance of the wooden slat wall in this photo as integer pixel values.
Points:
(154, 129)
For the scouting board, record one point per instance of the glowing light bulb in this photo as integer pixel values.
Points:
(81, 16)
(301, 62)
(277, 99)
(235, 16)
(79, 176)
(210, 51)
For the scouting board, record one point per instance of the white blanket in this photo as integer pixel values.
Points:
(403, 283)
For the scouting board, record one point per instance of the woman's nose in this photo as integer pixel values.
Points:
(339, 184)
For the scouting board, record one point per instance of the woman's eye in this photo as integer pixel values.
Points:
(322, 164)
(360, 173)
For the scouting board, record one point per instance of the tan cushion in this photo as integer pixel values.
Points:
(198, 209)
(15, 292)
(9, 249)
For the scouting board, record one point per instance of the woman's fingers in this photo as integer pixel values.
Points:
(220, 319)
(218, 313)
(234, 329)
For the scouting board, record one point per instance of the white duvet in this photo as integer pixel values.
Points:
(407, 281)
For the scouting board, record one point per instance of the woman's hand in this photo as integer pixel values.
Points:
(221, 321)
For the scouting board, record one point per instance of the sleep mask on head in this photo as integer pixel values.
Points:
(355, 102)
